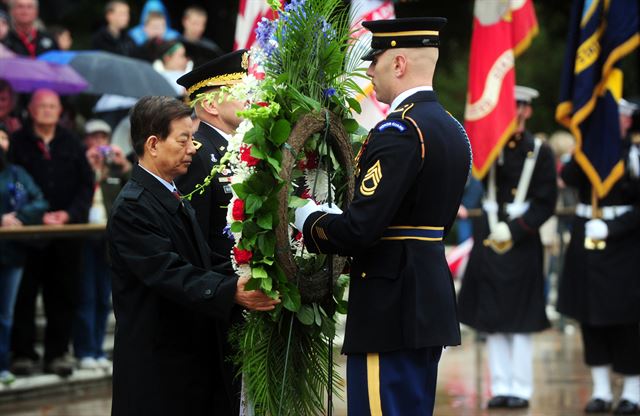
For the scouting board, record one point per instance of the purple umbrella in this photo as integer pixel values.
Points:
(28, 75)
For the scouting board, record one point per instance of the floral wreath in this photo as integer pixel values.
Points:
(302, 81)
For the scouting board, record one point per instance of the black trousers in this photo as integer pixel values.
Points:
(618, 346)
(54, 269)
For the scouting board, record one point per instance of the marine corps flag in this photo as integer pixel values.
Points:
(601, 32)
(502, 29)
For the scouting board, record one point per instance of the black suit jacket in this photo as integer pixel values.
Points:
(169, 305)
(401, 293)
(211, 205)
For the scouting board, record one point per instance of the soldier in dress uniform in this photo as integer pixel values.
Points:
(599, 286)
(502, 292)
(218, 120)
(410, 176)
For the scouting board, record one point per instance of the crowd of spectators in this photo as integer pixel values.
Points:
(56, 168)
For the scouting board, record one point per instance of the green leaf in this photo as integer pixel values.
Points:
(259, 273)
(257, 153)
(252, 284)
(265, 221)
(306, 315)
(253, 203)
(280, 132)
(236, 227)
(350, 125)
(316, 314)
(266, 285)
(296, 202)
(267, 244)
(260, 183)
(240, 190)
(354, 104)
(274, 163)
(291, 300)
(249, 232)
(328, 328)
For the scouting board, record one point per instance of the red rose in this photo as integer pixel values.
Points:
(298, 236)
(245, 156)
(237, 211)
(312, 160)
(263, 104)
(305, 194)
(242, 256)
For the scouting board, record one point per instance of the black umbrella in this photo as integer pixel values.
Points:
(108, 73)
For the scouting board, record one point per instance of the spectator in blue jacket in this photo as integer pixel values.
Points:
(21, 203)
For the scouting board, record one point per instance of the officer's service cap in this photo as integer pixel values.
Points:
(626, 108)
(225, 70)
(410, 32)
(525, 94)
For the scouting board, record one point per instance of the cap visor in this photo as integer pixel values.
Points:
(371, 54)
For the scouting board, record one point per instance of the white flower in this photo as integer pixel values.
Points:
(317, 183)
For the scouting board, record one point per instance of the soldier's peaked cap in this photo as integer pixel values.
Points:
(225, 70)
(409, 32)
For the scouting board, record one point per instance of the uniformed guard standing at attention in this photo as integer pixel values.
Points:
(502, 291)
(600, 284)
(411, 173)
(218, 120)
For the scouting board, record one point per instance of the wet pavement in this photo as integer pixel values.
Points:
(562, 384)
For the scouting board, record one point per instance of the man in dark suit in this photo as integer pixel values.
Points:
(411, 173)
(218, 120)
(169, 300)
(503, 287)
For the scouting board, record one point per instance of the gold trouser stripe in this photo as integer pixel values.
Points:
(412, 238)
(408, 33)
(373, 381)
(411, 227)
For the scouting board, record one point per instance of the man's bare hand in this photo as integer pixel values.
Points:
(11, 220)
(253, 299)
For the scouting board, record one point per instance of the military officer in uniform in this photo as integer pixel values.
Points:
(599, 286)
(411, 173)
(502, 292)
(218, 120)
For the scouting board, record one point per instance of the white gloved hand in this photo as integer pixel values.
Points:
(596, 229)
(303, 212)
(490, 207)
(330, 209)
(516, 209)
(501, 233)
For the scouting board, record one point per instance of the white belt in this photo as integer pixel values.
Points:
(608, 213)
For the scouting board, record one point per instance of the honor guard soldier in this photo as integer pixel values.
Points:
(502, 292)
(599, 286)
(410, 176)
(218, 120)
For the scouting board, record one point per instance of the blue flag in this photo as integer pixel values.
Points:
(601, 33)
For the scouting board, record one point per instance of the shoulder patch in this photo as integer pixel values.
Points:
(392, 124)
(132, 192)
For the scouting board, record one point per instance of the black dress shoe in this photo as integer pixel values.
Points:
(497, 401)
(517, 403)
(598, 406)
(625, 407)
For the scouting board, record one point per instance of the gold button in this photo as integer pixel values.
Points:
(393, 43)
(530, 154)
(513, 191)
(363, 275)
(512, 145)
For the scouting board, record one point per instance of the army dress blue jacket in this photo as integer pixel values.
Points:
(411, 175)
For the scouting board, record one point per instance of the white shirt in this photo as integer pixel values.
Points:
(170, 186)
(404, 95)
(226, 136)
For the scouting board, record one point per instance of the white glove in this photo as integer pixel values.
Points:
(515, 209)
(490, 207)
(330, 209)
(501, 233)
(596, 229)
(303, 212)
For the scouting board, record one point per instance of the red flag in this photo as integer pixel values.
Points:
(250, 13)
(362, 10)
(501, 30)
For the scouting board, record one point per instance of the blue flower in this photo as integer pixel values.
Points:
(265, 35)
(227, 231)
(329, 92)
